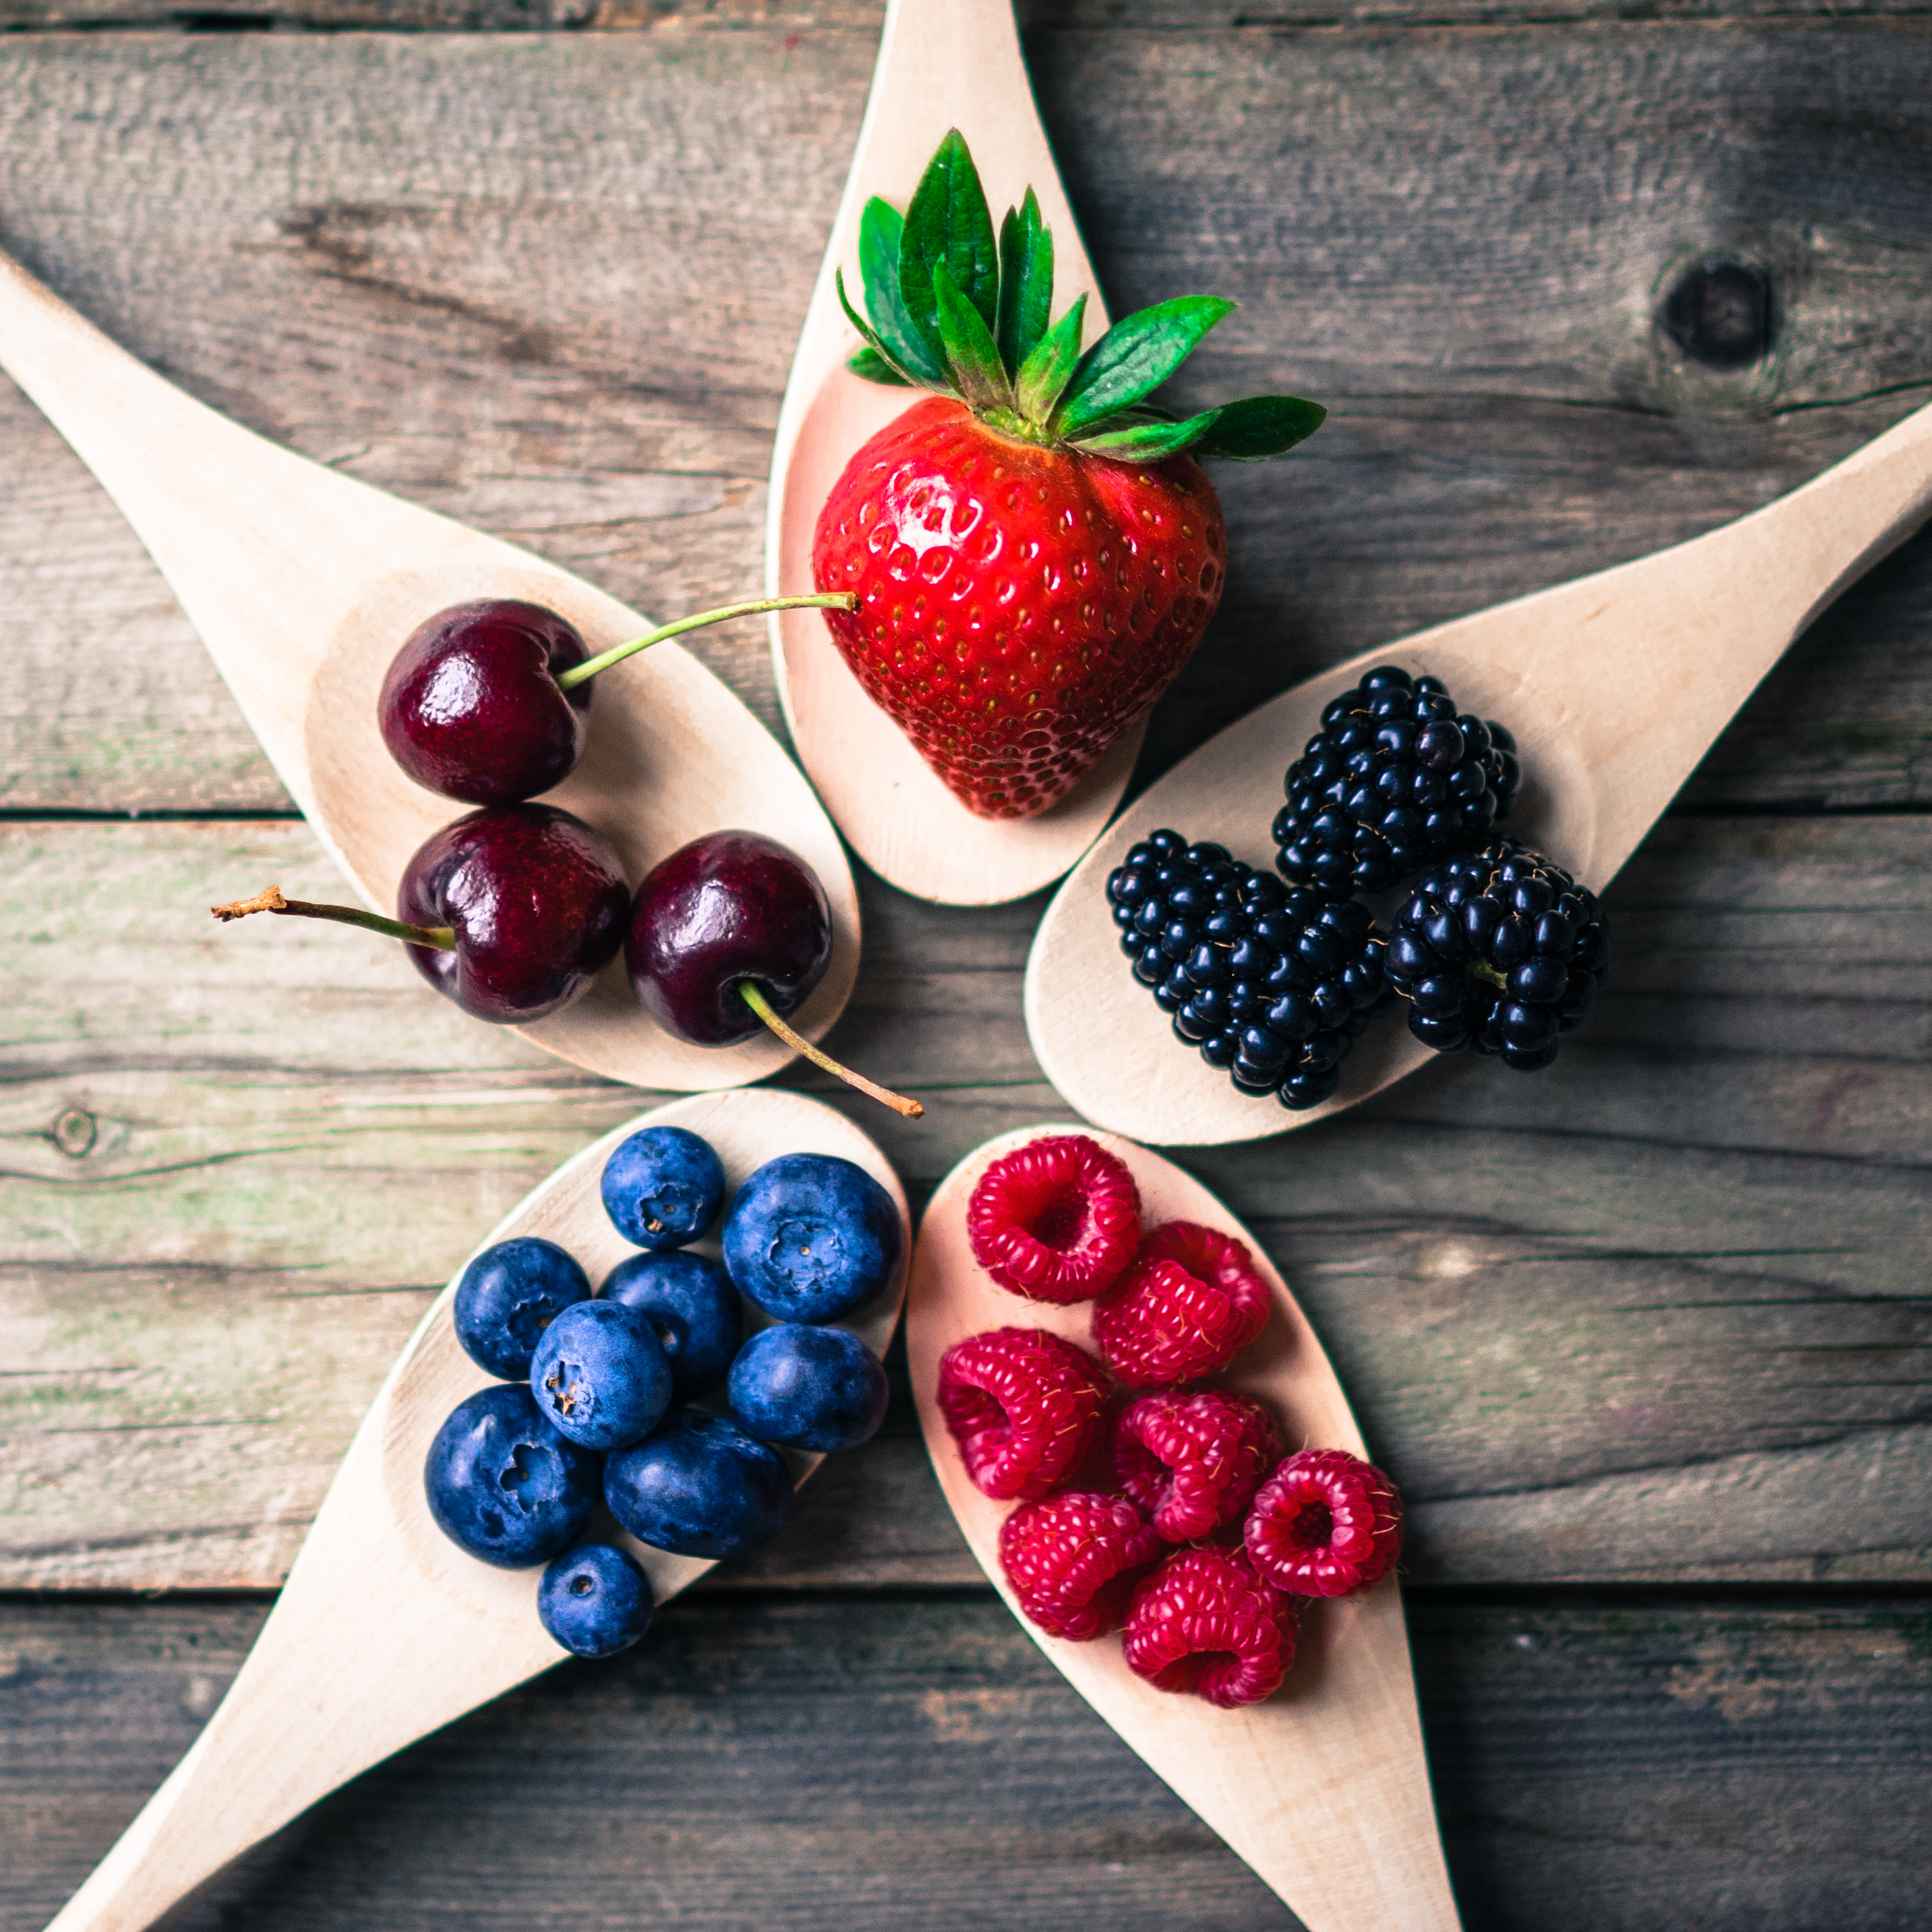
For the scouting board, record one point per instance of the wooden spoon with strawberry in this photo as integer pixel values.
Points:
(1035, 556)
(1034, 553)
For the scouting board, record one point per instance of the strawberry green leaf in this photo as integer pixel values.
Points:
(1261, 426)
(971, 354)
(948, 221)
(1026, 282)
(1134, 358)
(869, 363)
(1050, 367)
(865, 329)
(1143, 442)
(1258, 427)
(879, 229)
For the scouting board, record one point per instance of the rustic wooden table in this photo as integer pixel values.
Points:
(1643, 1338)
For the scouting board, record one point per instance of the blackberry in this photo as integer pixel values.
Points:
(1394, 778)
(1498, 950)
(1272, 983)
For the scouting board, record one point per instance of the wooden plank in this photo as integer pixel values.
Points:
(1678, 1279)
(537, 283)
(892, 1763)
(1039, 18)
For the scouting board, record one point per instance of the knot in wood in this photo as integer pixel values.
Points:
(1720, 312)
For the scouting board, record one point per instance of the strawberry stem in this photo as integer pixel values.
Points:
(754, 997)
(826, 600)
(442, 937)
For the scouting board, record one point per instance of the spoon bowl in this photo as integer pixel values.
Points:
(303, 584)
(942, 64)
(1323, 1788)
(1614, 685)
(386, 1630)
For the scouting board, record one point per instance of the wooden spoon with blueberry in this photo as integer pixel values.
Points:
(581, 1426)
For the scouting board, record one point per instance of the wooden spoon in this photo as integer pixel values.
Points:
(386, 1630)
(942, 64)
(303, 584)
(1324, 1788)
(1614, 685)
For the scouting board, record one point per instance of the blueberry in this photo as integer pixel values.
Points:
(693, 1309)
(503, 1484)
(600, 1375)
(699, 1487)
(595, 1600)
(809, 1388)
(508, 1296)
(663, 1187)
(811, 1237)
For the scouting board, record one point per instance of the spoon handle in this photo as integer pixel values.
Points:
(92, 391)
(1835, 529)
(252, 539)
(184, 476)
(371, 1644)
(1629, 677)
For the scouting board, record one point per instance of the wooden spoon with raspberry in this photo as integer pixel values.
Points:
(1035, 550)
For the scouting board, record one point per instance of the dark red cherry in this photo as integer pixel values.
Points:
(535, 900)
(490, 702)
(472, 708)
(729, 934)
(729, 908)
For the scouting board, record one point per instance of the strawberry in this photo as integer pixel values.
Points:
(1035, 557)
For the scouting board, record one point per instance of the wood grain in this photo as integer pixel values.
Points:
(1661, 1313)
(1634, 1767)
(1683, 1270)
(300, 232)
(1039, 20)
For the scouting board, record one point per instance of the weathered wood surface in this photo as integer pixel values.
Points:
(1680, 1278)
(550, 285)
(1660, 1314)
(881, 1764)
(1039, 18)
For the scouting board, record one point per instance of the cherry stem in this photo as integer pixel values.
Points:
(754, 996)
(819, 600)
(442, 937)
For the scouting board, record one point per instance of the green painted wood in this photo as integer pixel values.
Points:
(1680, 1278)
(551, 285)
(870, 1764)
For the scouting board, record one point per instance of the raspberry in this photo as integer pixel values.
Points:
(1190, 1304)
(1056, 1220)
(1023, 1405)
(1192, 1463)
(1325, 1524)
(1071, 1560)
(1204, 1622)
